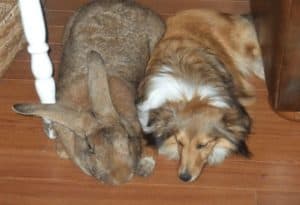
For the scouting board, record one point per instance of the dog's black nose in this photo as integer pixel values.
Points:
(185, 176)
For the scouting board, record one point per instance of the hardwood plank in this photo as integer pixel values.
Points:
(16, 90)
(267, 125)
(44, 192)
(64, 5)
(35, 158)
(235, 173)
(173, 6)
(58, 17)
(266, 121)
(28, 149)
(18, 70)
(22, 70)
(38, 161)
(25, 143)
(11, 92)
(55, 34)
(267, 128)
(243, 174)
(165, 6)
(278, 198)
(31, 172)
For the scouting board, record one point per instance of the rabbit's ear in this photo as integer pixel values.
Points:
(82, 123)
(99, 91)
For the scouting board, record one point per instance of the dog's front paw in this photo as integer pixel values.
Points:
(146, 166)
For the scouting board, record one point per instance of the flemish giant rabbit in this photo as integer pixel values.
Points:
(106, 47)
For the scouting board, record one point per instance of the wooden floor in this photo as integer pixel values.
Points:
(32, 174)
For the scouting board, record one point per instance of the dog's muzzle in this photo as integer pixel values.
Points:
(185, 176)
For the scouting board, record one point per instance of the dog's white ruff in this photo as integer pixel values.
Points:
(164, 87)
(218, 155)
(171, 151)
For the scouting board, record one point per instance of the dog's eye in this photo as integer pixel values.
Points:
(200, 146)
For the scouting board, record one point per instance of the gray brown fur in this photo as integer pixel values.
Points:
(106, 48)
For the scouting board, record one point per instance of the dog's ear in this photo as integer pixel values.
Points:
(162, 122)
(239, 144)
(235, 127)
(237, 120)
(243, 149)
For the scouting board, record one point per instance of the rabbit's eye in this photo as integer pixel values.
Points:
(91, 148)
(200, 146)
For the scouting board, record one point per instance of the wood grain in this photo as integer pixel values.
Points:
(28, 157)
(165, 6)
(173, 6)
(32, 174)
(45, 192)
(278, 198)
(21, 70)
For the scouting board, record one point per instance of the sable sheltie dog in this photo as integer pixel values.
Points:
(192, 97)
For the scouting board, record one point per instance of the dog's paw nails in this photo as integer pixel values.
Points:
(145, 166)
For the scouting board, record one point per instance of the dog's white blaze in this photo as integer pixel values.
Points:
(143, 115)
(219, 102)
(171, 152)
(206, 91)
(218, 155)
(165, 68)
(164, 87)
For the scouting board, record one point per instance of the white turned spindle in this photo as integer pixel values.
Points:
(35, 33)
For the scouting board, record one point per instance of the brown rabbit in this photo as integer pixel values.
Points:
(106, 47)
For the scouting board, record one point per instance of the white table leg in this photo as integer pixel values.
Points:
(41, 66)
(35, 32)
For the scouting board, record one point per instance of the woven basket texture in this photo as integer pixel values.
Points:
(12, 37)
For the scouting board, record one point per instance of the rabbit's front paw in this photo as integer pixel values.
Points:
(146, 166)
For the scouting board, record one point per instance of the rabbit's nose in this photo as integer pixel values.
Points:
(103, 177)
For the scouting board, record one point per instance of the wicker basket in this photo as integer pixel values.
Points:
(12, 38)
